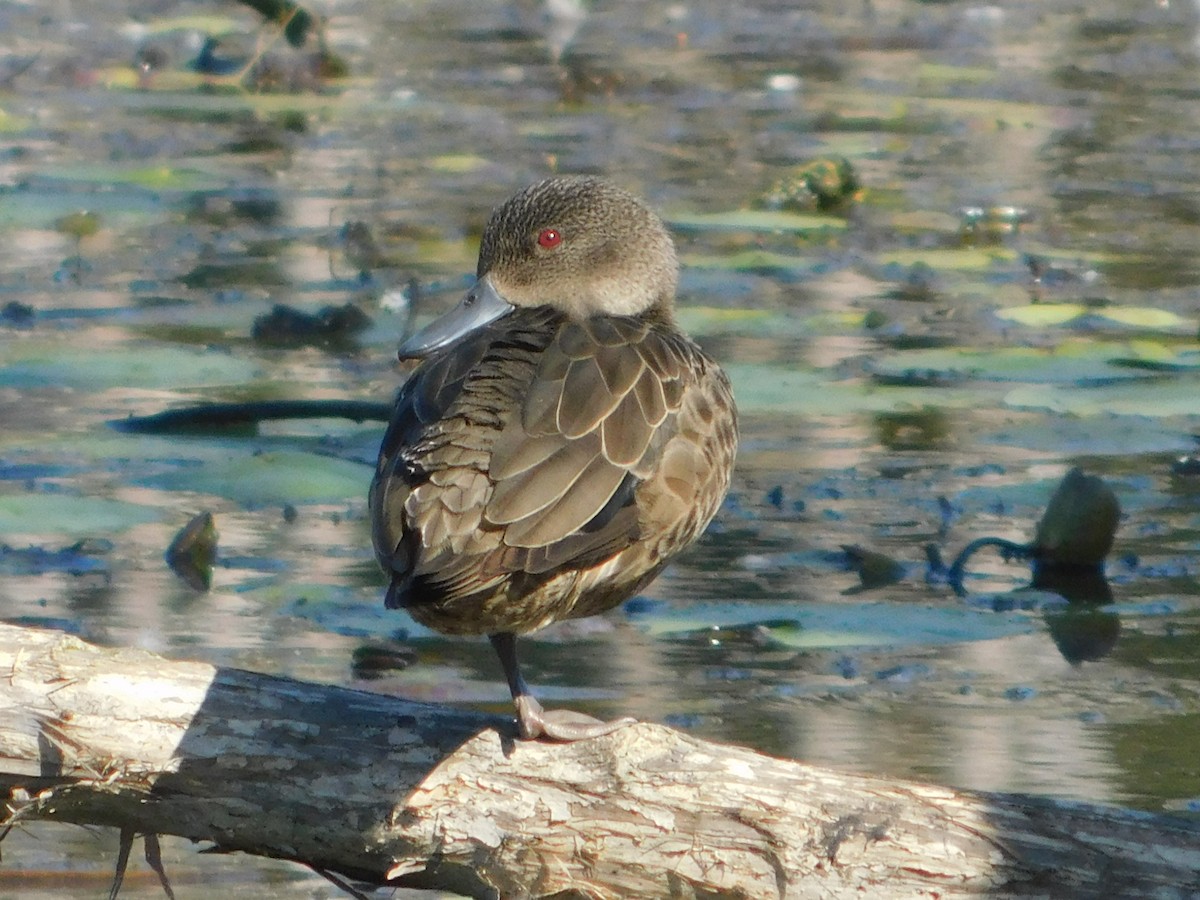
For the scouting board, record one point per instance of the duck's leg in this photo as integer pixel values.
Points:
(532, 720)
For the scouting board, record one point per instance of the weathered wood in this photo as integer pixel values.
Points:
(380, 789)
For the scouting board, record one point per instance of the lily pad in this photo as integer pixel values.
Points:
(1006, 116)
(773, 389)
(40, 206)
(701, 320)
(333, 610)
(830, 625)
(65, 514)
(148, 367)
(945, 73)
(158, 178)
(967, 259)
(1069, 362)
(212, 23)
(1175, 397)
(458, 163)
(762, 220)
(1147, 318)
(762, 261)
(1155, 357)
(1093, 436)
(276, 477)
(10, 124)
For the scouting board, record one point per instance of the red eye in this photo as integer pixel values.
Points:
(549, 238)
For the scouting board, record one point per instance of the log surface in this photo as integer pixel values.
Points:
(389, 791)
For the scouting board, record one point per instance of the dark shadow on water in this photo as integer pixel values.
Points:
(1083, 631)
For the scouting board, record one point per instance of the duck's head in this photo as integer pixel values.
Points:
(580, 245)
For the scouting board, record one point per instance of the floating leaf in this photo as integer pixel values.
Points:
(79, 224)
(210, 23)
(10, 123)
(1069, 436)
(944, 73)
(59, 514)
(148, 367)
(756, 220)
(160, 178)
(1003, 115)
(335, 610)
(924, 220)
(761, 261)
(276, 477)
(43, 205)
(829, 625)
(1177, 397)
(967, 259)
(458, 163)
(1044, 315)
(778, 390)
(1069, 362)
(700, 320)
(1146, 317)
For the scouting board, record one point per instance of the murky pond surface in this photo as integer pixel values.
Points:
(1017, 291)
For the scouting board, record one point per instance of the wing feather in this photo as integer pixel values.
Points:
(586, 400)
(528, 493)
(571, 511)
(549, 450)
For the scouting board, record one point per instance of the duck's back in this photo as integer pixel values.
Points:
(544, 468)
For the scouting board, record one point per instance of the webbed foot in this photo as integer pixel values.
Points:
(561, 724)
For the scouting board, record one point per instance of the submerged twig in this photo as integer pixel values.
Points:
(122, 862)
(1009, 550)
(154, 860)
(340, 883)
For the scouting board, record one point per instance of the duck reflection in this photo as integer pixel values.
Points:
(1083, 630)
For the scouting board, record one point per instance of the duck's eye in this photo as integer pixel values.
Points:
(549, 238)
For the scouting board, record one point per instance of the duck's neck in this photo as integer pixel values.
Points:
(661, 313)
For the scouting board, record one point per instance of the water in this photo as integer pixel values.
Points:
(904, 380)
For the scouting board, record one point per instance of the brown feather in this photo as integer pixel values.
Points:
(523, 495)
(626, 433)
(586, 401)
(587, 495)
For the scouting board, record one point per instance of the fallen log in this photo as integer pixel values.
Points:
(386, 791)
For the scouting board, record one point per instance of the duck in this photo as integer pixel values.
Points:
(560, 439)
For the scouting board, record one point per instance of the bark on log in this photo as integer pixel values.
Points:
(384, 790)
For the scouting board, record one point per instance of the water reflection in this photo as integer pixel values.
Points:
(1083, 632)
(1084, 635)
